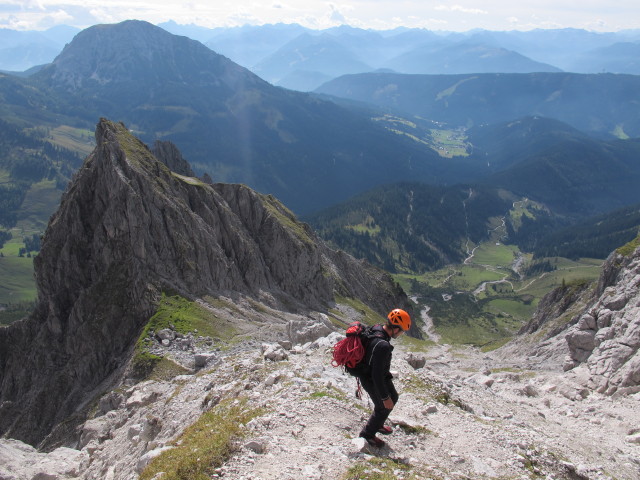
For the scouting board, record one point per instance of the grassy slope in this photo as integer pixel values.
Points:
(74, 139)
(18, 284)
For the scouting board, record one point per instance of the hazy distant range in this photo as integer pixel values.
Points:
(299, 58)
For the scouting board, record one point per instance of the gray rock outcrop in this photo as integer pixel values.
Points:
(128, 229)
(21, 461)
(606, 338)
(169, 154)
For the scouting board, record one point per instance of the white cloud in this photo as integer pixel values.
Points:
(459, 8)
(461, 15)
(336, 16)
(58, 17)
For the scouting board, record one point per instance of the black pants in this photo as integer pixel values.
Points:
(380, 413)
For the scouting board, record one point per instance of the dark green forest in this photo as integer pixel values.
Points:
(414, 228)
(26, 157)
(411, 227)
(596, 237)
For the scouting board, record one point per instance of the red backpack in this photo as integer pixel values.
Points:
(350, 351)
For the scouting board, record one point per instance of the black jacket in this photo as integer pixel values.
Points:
(378, 360)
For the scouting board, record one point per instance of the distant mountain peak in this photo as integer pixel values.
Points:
(136, 52)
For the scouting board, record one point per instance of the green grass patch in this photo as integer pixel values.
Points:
(494, 345)
(17, 283)
(379, 468)
(630, 247)
(188, 316)
(464, 320)
(429, 390)
(205, 445)
(166, 369)
(511, 307)
(526, 207)
(495, 254)
(469, 277)
(619, 132)
(393, 120)
(331, 392)
(543, 284)
(287, 218)
(184, 316)
(368, 225)
(415, 429)
(436, 278)
(478, 331)
(75, 139)
(409, 135)
(452, 89)
(189, 180)
(460, 277)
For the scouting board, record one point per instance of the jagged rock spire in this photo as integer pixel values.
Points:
(129, 228)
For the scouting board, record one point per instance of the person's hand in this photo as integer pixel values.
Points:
(388, 403)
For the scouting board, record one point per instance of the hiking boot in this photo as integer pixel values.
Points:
(384, 430)
(375, 441)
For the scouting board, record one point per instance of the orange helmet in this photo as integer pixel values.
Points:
(399, 318)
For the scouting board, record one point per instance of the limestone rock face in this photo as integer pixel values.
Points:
(606, 338)
(127, 229)
(169, 154)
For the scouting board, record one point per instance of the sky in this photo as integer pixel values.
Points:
(462, 15)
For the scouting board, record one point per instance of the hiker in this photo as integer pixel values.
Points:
(377, 379)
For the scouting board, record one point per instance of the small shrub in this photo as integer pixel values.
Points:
(414, 429)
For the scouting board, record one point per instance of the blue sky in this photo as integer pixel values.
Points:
(463, 15)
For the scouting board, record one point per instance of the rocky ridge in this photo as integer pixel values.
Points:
(461, 415)
(129, 229)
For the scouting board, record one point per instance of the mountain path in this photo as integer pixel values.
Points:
(512, 423)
